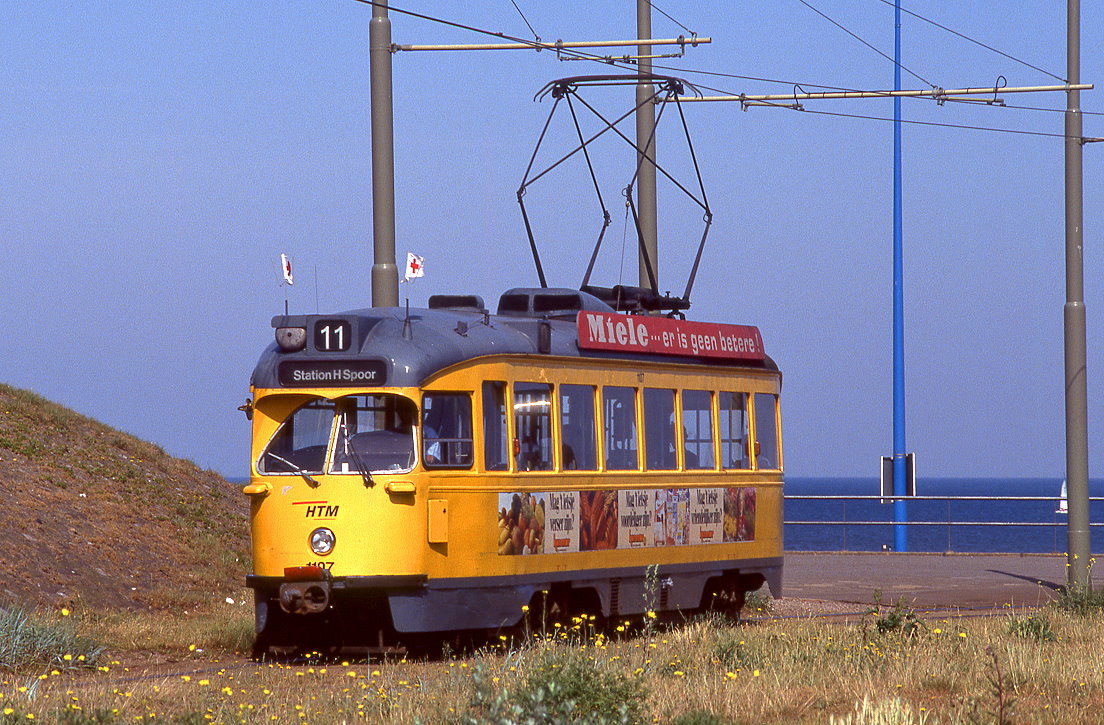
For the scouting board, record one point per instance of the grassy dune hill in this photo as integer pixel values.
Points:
(95, 516)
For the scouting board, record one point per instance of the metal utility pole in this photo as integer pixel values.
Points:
(645, 139)
(385, 273)
(900, 485)
(1077, 443)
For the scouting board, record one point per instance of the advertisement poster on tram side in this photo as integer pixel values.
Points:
(706, 515)
(597, 520)
(672, 516)
(635, 510)
(739, 514)
(521, 519)
(561, 523)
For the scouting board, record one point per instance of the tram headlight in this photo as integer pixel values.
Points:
(322, 541)
(291, 339)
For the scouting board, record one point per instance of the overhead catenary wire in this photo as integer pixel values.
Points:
(960, 126)
(977, 42)
(631, 66)
(660, 11)
(530, 25)
(868, 45)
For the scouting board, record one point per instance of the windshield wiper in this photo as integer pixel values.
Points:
(295, 469)
(365, 474)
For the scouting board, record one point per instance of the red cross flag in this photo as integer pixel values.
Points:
(415, 267)
(285, 264)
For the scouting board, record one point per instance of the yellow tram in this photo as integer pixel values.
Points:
(441, 469)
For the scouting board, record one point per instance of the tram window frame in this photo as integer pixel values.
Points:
(578, 432)
(496, 432)
(452, 444)
(767, 448)
(696, 442)
(617, 458)
(730, 444)
(533, 429)
(660, 437)
(384, 445)
(292, 458)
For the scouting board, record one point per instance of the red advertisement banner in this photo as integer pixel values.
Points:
(664, 336)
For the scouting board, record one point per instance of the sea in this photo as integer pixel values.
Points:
(1005, 526)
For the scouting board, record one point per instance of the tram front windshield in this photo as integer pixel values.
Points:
(375, 433)
(354, 433)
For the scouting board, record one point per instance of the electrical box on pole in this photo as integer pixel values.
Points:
(887, 491)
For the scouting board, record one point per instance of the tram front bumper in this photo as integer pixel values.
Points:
(309, 597)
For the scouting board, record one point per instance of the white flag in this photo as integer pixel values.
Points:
(285, 264)
(415, 267)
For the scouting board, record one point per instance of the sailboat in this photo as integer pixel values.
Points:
(1062, 505)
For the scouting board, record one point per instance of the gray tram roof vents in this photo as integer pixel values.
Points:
(551, 302)
(466, 303)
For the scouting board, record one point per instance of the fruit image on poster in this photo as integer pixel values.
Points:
(672, 516)
(561, 523)
(739, 514)
(706, 515)
(597, 520)
(635, 510)
(521, 518)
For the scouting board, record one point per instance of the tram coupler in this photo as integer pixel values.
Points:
(306, 590)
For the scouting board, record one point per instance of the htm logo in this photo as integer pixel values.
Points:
(318, 509)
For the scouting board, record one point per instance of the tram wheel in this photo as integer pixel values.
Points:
(725, 596)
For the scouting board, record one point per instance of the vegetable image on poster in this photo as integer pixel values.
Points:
(521, 519)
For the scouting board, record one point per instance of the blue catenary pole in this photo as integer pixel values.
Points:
(900, 515)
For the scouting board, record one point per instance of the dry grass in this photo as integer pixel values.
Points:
(993, 670)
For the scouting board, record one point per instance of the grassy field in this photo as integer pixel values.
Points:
(97, 667)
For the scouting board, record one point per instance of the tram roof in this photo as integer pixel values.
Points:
(411, 346)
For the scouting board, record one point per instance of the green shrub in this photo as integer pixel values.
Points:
(1081, 600)
(28, 642)
(758, 602)
(735, 653)
(563, 685)
(1036, 627)
(900, 618)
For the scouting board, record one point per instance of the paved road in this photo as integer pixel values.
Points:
(926, 580)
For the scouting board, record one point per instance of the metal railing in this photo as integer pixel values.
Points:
(950, 523)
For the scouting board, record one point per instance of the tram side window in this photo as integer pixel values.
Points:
(619, 426)
(733, 427)
(697, 427)
(447, 430)
(659, 429)
(375, 433)
(299, 446)
(533, 426)
(496, 447)
(766, 430)
(577, 424)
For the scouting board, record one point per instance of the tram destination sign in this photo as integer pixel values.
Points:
(332, 373)
(664, 336)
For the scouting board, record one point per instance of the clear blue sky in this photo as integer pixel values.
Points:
(156, 158)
